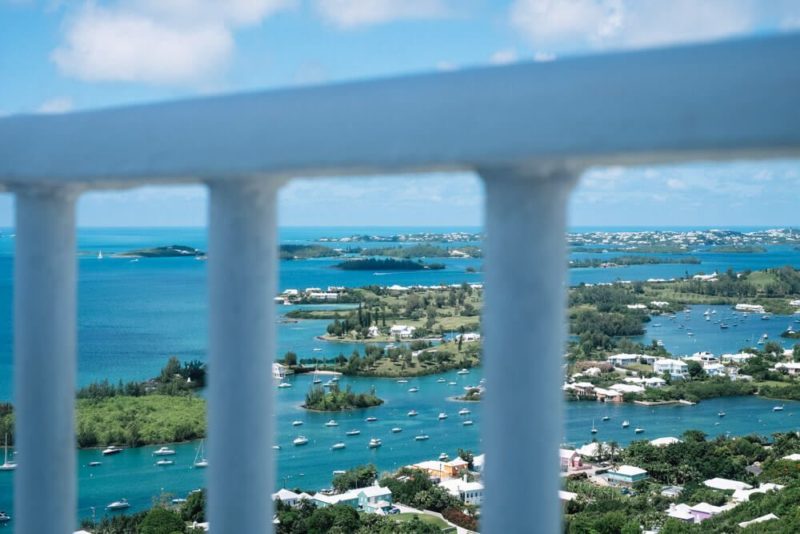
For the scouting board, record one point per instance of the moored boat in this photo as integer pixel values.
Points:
(121, 504)
(300, 440)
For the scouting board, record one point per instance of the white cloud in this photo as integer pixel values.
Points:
(574, 24)
(60, 104)
(354, 13)
(504, 57)
(676, 185)
(173, 42)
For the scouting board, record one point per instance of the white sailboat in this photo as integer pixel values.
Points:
(100, 255)
(594, 429)
(200, 457)
(7, 466)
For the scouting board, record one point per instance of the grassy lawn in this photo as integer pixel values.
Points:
(435, 521)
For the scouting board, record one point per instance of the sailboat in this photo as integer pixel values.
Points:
(7, 466)
(317, 379)
(594, 430)
(100, 255)
(200, 457)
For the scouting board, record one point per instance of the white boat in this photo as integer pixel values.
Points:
(95, 464)
(118, 505)
(721, 414)
(442, 416)
(371, 419)
(111, 449)
(276, 447)
(300, 440)
(468, 422)
(413, 390)
(402, 381)
(625, 424)
(594, 429)
(396, 429)
(200, 460)
(164, 451)
(7, 466)
(353, 432)
(463, 411)
(338, 446)
(463, 372)
(374, 443)
(606, 418)
(331, 423)
(422, 437)
(100, 255)
(777, 408)
(443, 457)
(413, 413)
(317, 379)
(164, 462)
(441, 381)
(297, 423)
(451, 384)
(284, 385)
(639, 430)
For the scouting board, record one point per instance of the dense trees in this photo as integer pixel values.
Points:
(342, 519)
(357, 477)
(338, 400)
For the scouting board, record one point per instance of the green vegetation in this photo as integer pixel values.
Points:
(622, 261)
(791, 334)
(388, 264)
(696, 390)
(340, 518)
(472, 395)
(337, 400)
(737, 249)
(302, 252)
(174, 379)
(170, 251)
(358, 477)
(136, 421)
(422, 251)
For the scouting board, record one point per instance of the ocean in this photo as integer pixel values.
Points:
(134, 315)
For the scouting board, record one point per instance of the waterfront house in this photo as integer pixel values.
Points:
(608, 395)
(675, 368)
(627, 388)
(402, 331)
(468, 492)
(623, 360)
(581, 390)
(626, 475)
(278, 370)
(725, 484)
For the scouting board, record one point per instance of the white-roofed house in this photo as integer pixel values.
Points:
(286, 496)
(726, 484)
(626, 475)
(374, 499)
(738, 358)
(703, 511)
(468, 492)
(627, 388)
(714, 369)
(570, 460)
(763, 518)
(743, 495)
(663, 442)
(623, 360)
(675, 368)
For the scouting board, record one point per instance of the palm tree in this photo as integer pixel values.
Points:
(613, 448)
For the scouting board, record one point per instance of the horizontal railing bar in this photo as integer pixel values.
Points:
(723, 100)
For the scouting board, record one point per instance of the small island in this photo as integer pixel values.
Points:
(303, 252)
(373, 264)
(624, 261)
(170, 251)
(337, 400)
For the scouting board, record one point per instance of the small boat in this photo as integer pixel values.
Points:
(276, 447)
(4, 517)
(451, 383)
(300, 440)
(777, 408)
(118, 505)
(422, 437)
(721, 414)
(402, 381)
(7, 466)
(442, 416)
(317, 380)
(463, 411)
(339, 472)
(317, 349)
(164, 462)
(396, 429)
(625, 424)
(413, 413)
(284, 385)
(331, 423)
(95, 464)
(371, 419)
(297, 423)
(443, 457)
(374, 443)
(164, 451)
(338, 446)
(200, 460)
(639, 430)
(413, 390)
(594, 429)
(468, 422)
(100, 255)
(606, 418)
(111, 449)
(463, 372)
(353, 432)
(441, 381)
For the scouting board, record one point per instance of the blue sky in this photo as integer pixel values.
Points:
(58, 55)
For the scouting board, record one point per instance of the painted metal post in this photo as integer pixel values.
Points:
(242, 254)
(524, 346)
(44, 360)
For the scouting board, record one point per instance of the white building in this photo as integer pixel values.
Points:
(278, 370)
(468, 337)
(726, 484)
(750, 308)
(738, 358)
(743, 495)
(404, 331)
(714, 369)
(675, 368)
(468, 492)
(793, 368)
(623, 360)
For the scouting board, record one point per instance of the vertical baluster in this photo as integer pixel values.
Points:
(44, 360)
(242, 282)
(524, 347)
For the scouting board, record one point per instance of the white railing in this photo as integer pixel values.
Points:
(529, 130)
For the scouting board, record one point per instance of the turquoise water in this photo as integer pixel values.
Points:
(132, 316)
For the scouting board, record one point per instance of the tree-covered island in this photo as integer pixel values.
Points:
(338, 400)
(387, 264)
(170, 251)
